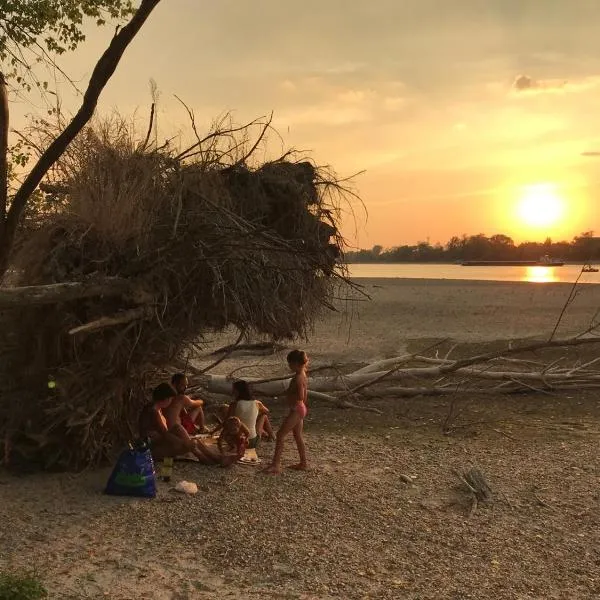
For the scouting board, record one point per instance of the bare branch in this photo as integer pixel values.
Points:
(102, 73)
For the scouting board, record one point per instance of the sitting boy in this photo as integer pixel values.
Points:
(164, 440)
(191, 413)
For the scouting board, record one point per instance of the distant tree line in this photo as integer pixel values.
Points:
(582, 248)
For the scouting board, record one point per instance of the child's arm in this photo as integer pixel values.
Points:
(160, 423)
(216, 428)
(242, 443)
(302, 387)
(189, 403)
(220, 442)
(262, 409)
(244, 431)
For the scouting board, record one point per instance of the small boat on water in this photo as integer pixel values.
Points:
(544, 261)
(589, 269)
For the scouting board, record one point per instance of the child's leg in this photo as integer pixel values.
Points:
(299, 437)
(167, 447)
(200, 451)
(204, 454)
(263, 427)
(266, 427)
(288, 425)
(197, 416)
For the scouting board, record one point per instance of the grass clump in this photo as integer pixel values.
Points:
(21, 586)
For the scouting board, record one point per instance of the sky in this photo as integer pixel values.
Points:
(459, 112)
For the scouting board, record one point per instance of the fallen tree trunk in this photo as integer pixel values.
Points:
(127, 316)
(409, 374)
(61, 292)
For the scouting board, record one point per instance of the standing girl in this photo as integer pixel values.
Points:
(297, 394)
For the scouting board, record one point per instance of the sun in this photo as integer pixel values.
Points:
(540, 205)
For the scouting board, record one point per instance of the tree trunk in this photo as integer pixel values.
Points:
(103, 71)
(4, 123)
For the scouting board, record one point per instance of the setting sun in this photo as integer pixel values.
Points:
(540, 206)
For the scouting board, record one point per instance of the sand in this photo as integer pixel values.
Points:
(380, 515)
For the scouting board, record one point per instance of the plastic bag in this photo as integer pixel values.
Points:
(133, 474)
(186, 487)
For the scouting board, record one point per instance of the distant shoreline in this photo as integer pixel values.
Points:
(442, 263)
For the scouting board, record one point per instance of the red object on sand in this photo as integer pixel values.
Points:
(187, 423)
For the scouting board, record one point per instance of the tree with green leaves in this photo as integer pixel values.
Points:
(44, 27)
(35, 31)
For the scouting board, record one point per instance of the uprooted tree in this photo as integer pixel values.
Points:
(148, 249)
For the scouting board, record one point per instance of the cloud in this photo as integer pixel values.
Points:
(590, 153)
(321, 101)
(524, 84)
(393, 103)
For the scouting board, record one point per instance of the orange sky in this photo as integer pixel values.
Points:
(452, 108)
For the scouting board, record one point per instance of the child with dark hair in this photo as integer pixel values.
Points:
(235, 435)
(297, 395)
(165, 441)
(185, 411)
(253, 414)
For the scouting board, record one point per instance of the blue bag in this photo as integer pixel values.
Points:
(133, 474)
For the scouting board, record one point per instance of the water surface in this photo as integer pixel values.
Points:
(565, 274)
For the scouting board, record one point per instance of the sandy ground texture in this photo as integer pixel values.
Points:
(382, 513)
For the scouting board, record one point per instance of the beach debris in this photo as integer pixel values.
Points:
(498, 371)
(186, 487)
(474, 482)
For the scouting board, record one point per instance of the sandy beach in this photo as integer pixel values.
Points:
(402, 311)
(410, 309)
(380, 514)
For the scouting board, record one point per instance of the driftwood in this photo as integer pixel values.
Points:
(61, 292)
(417, 375)
(126, 316)
(256, 348)
(476, 485)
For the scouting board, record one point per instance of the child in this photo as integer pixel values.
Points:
(235, 434)
(190, 412)
(252, 413)
(164, 440)
(297, 394)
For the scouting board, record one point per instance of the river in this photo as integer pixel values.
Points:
(565, 274)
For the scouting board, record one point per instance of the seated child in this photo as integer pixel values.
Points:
(235, 435)
(191, 411)
(169, 439)
(252, 413)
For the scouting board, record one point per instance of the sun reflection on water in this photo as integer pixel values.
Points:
(540, 275)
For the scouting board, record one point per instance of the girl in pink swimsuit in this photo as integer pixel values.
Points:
(294, 422)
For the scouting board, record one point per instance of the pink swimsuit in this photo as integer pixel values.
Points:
(301, 409)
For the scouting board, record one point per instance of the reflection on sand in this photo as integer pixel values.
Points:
(540, 275)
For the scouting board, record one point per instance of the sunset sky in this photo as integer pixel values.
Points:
(455, 108)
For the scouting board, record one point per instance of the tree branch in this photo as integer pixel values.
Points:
(4, 122)
(61, 292)
(103, 71)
